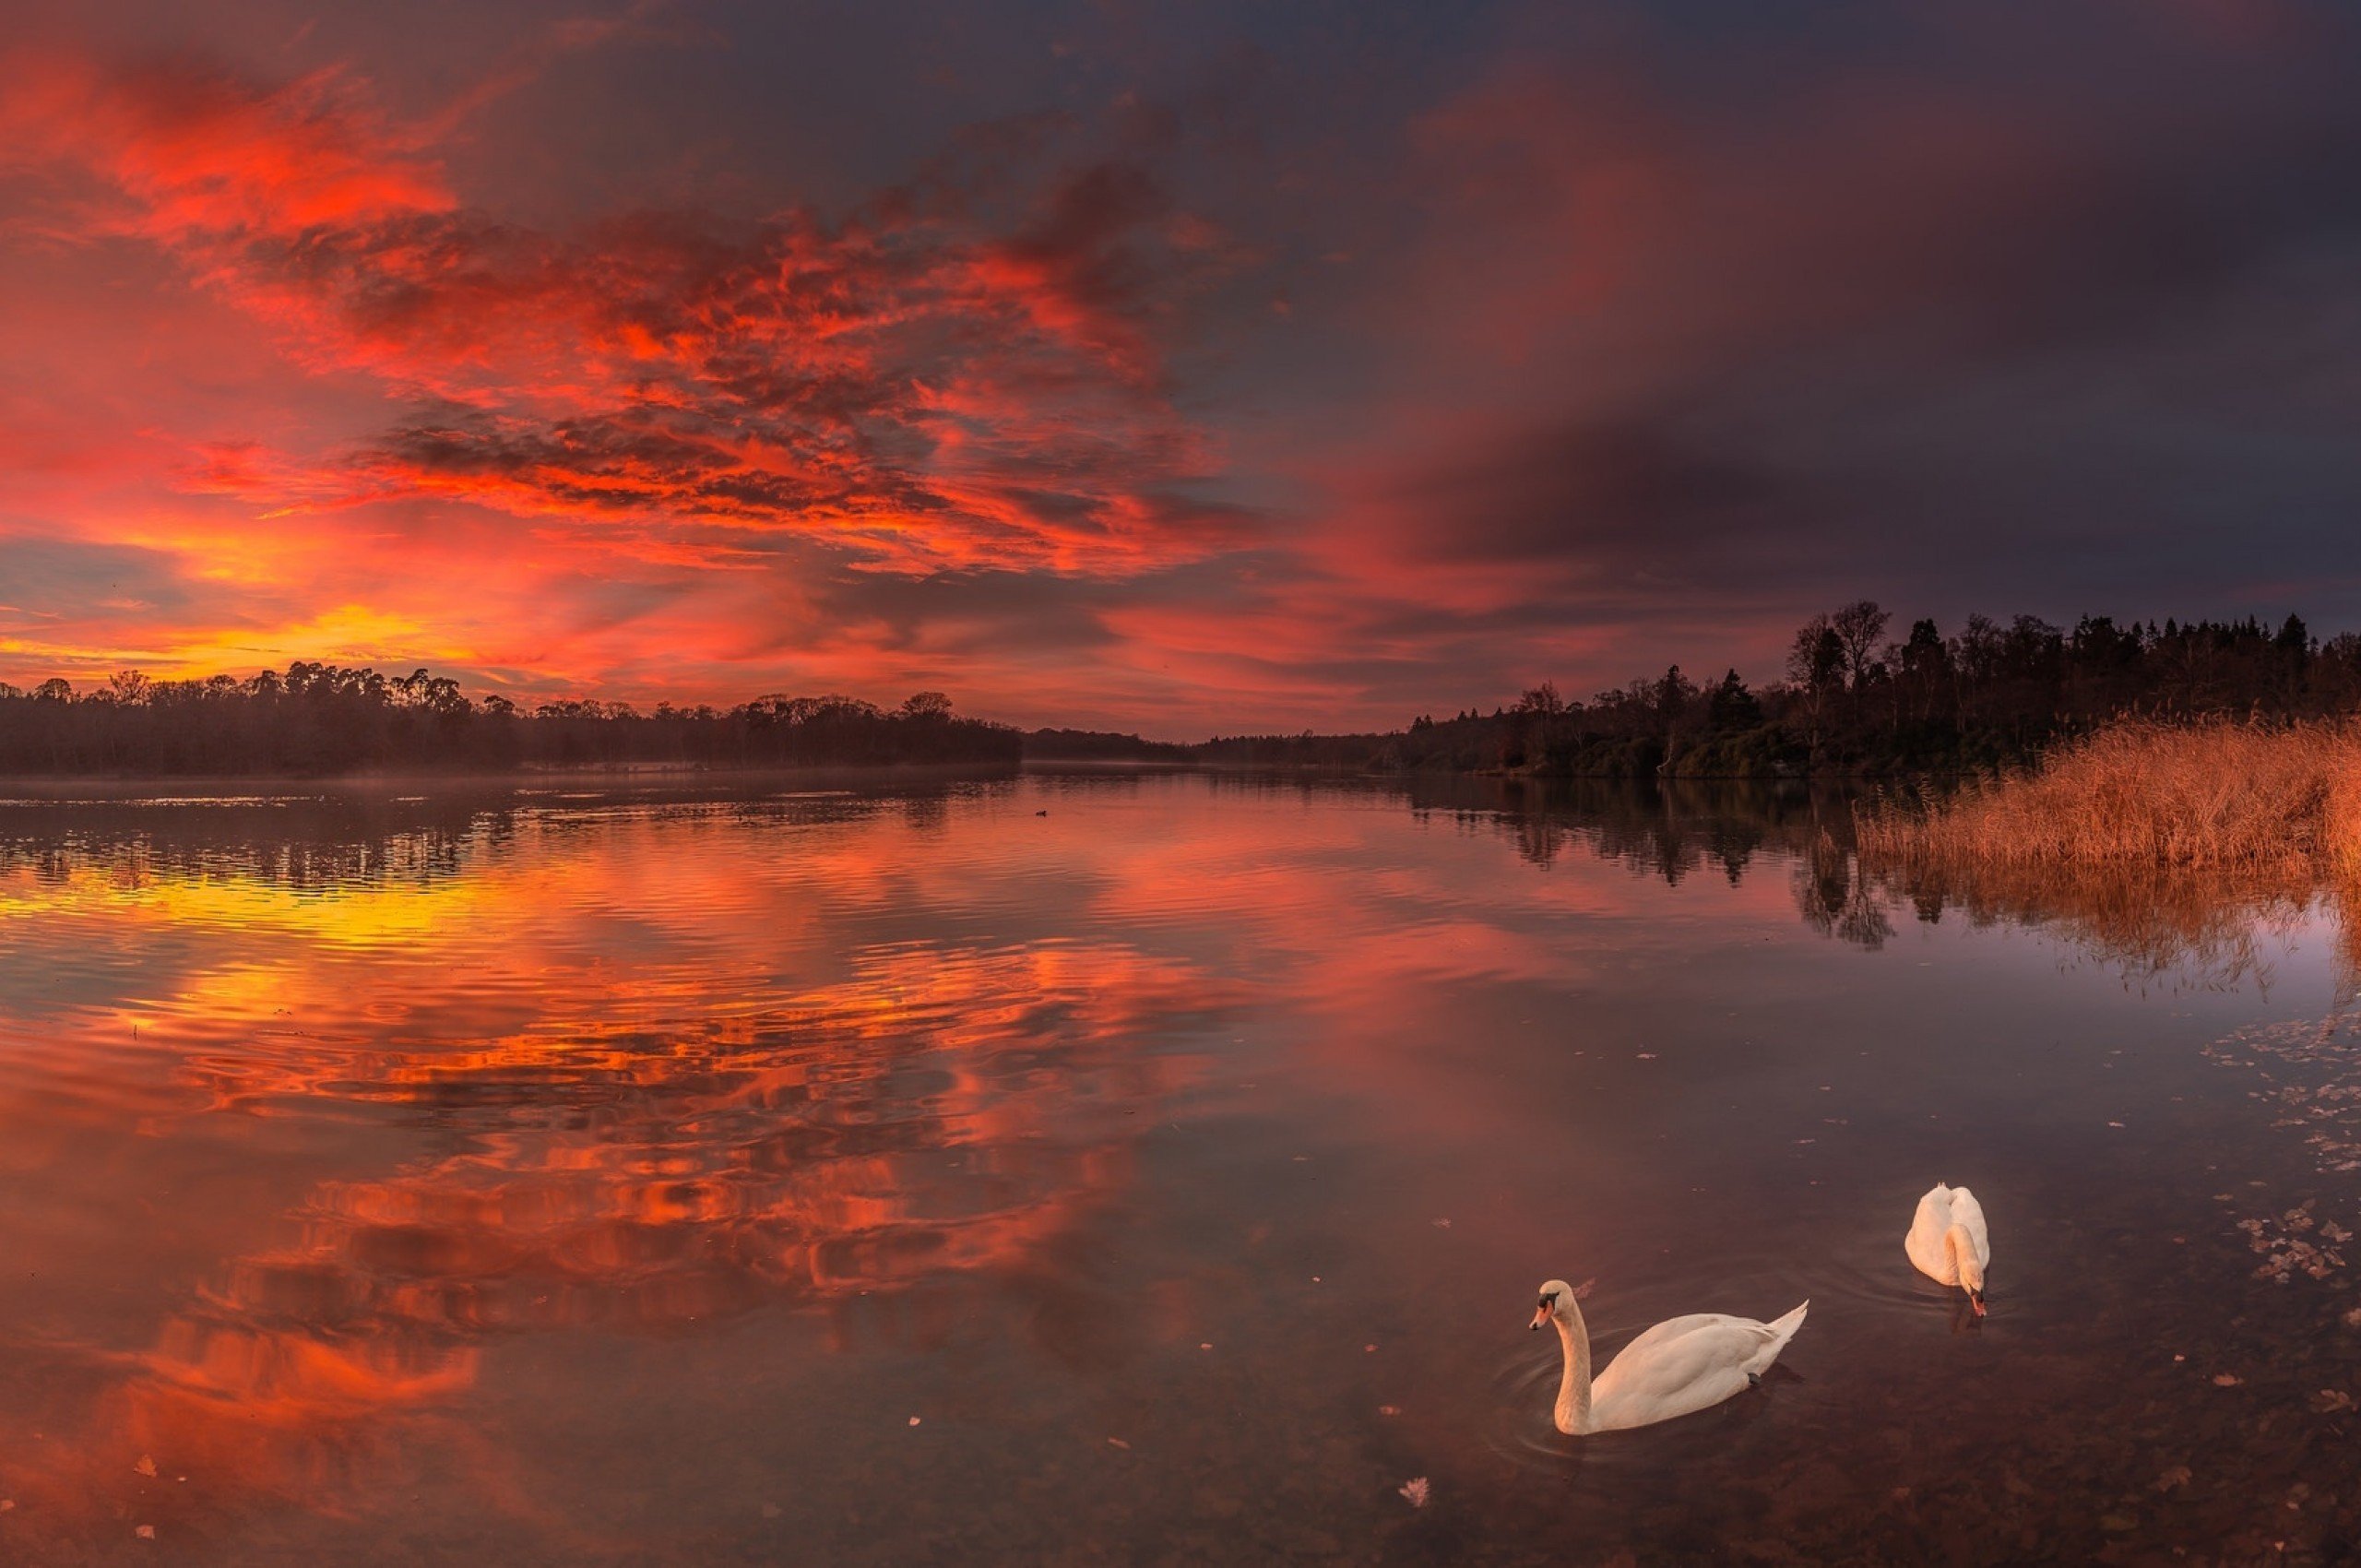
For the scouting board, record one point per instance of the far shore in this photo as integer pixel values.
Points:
(90, 784)
(380, 781)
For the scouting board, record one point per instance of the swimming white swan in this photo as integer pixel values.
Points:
(1682, 1364)
(1948, 1240)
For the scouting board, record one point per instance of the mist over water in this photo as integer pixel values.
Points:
(901, 1174)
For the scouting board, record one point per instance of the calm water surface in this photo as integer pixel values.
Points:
(904, 1175)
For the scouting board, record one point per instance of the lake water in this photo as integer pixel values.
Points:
(1145, 1169)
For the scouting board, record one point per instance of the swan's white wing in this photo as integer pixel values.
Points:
(1685, 1364)
(1669, 1329)
(1925, 1243)
(1966, 1211)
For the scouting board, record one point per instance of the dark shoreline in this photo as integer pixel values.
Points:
(99, 786)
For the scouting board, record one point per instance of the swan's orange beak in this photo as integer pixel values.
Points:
(1975, 1299)
(1540, 1315)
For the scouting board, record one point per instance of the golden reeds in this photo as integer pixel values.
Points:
(2155, 842)
(2232, 797)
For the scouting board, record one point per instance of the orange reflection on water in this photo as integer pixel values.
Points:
(933, 1112)
(554, 1094)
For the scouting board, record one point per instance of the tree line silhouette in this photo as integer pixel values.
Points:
(1855, 701)
(318, 718)
(1852, 701)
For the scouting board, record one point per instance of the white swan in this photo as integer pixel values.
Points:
(1948, 1242)
(1682, 1364)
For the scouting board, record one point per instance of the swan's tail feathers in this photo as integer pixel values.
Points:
(1784, 1329)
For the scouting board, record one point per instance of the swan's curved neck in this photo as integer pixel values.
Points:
(1573, 1388)
(1969, 1272)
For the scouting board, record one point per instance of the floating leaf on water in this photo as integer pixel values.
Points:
(147, 1466)
(914, 1420)
(146, 1532)
(2227, 1380)
(2176, 1476)
(1417, 1491)
(1119, 1443)
(2329, 1401)
(1389, 1409)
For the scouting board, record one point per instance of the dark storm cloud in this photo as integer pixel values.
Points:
(1894, 316)
(1622, 486)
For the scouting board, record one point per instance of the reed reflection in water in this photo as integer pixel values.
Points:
(675, 1176)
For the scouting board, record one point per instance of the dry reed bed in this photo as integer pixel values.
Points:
(2275, 801)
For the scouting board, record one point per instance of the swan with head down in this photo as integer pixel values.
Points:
(1683, 1364)
(1948, 1242)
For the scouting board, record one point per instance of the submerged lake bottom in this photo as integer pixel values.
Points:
(1136, 1167)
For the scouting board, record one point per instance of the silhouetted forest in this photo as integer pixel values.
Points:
(318, 720)
(1101, 746)
(1855, 701)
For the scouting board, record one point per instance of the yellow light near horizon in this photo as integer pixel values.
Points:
(347, 633)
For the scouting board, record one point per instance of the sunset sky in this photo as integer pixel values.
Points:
(1189, 368)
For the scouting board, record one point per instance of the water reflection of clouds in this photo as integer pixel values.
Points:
(632, 1103)
(569, 1070)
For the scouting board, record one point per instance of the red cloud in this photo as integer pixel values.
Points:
(900, 383)
(201, 158)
